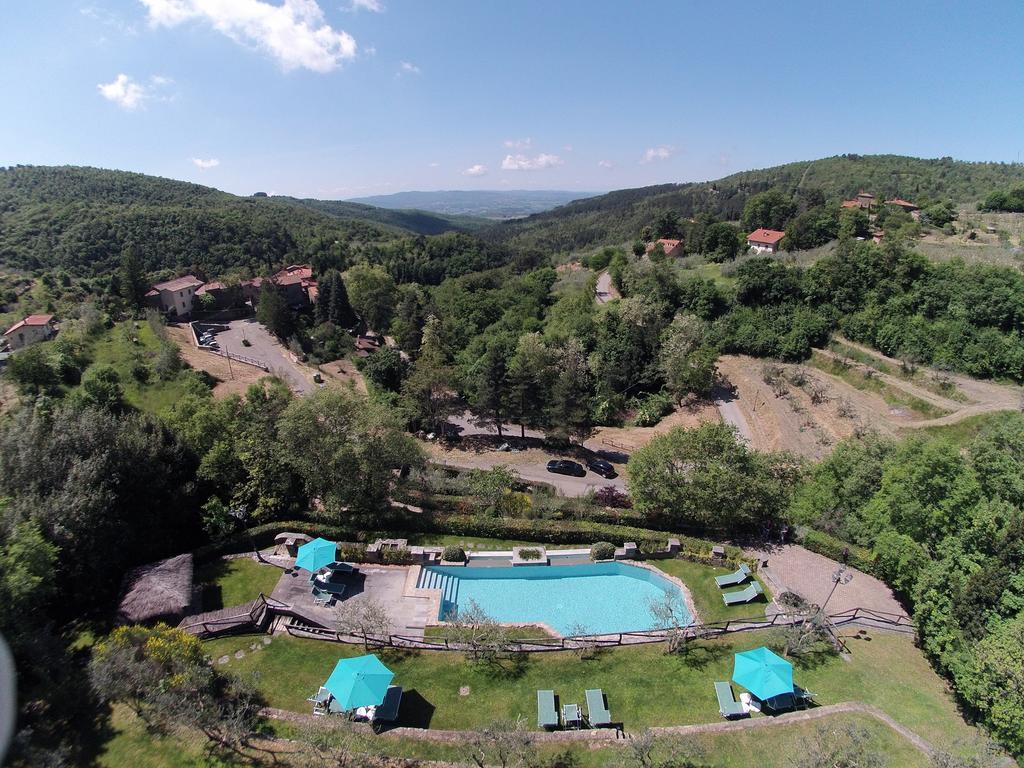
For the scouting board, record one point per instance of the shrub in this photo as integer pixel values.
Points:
(529, 554)
(610, 496)
(602, 550)
(824, 544)
(453, 554)
(352, 552)
(399, 556)
(652, 409)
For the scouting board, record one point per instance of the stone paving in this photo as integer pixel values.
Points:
(795, 569)
(383, 584)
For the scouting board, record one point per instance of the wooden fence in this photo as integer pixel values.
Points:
(535, 645)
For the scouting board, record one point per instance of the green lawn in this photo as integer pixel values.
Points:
(645, 687)
(774, 748)
(233, 582)
(440, 632)
(707, 597)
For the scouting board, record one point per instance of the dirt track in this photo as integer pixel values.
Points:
(233, 378)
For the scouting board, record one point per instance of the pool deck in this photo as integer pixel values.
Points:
(383, 584)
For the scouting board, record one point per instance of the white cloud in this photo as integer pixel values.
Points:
(567, 147)
(656, 153)
(475, 170)
(123, 91)
(518, 143)
(605, 164)
(524, 163)
(129, 93)
(407, 68)
(295, 33)
(434, 165)
(374, 6)
(205, 165)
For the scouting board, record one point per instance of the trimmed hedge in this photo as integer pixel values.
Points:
(861, 558)
(602, 550)
(539, 531)
(453, 554)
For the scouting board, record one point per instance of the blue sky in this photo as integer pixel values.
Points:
(344, 98)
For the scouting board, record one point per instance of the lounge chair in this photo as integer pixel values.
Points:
(322, 596)
(753, 590)
(547, 712)
(320, 700)
(572, 717)
(387, 710)
(597, 711)
(735, 578)
(727, 703)
(340, 567)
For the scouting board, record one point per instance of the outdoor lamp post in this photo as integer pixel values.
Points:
(841, 576)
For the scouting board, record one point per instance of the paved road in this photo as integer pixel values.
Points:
(731, 414)
(264, 347)
(605, 290)
(529, 465)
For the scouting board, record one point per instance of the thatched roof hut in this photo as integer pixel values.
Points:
(160, 591)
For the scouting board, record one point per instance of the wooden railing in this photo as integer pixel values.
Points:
(536, 645)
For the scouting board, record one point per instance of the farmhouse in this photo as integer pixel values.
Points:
(32, 329)
(175, 296)
(764, 240)
(672, 248)
(863, 200)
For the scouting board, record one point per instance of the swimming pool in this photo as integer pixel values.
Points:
(603, 598)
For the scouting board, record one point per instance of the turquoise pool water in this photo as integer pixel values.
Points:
(601, 597)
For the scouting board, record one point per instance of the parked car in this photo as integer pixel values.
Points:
(566, 467)
(601, 467)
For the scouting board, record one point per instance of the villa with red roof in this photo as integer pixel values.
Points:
(32, 329)
(672, 248)
(174, 296)
(765, 240)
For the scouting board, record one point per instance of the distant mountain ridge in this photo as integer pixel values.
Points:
(489, 204)
(620, 215)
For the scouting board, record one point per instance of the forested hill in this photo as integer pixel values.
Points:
(81, 219)
(619, 216)
(418, 221)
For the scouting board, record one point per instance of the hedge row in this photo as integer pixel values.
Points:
(861, 558)
(540, 531)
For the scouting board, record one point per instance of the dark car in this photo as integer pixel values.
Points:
(601, 467)
(566, 467)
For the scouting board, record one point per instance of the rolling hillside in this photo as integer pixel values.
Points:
(619, 216)
(81, 219)
(490, 204)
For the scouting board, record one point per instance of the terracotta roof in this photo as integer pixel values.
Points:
(767, 236)
(664, 242)
(862, 193)
(850, 204)
(178, 283)
(30, 320)
(216, 285)
(303, 271)
(901, 203)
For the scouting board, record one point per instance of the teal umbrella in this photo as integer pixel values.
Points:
(763, 673)
(315, 554)
(359, 682)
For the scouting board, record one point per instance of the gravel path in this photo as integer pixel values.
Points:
(793, 568)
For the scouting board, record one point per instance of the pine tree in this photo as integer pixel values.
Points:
(339, 309)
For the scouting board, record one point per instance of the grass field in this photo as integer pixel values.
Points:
(233, 582)
(119, 347)
(894, 397)
(131, 745)
(645, 687)
(963, 432)
(707, 597)
(919, 377)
